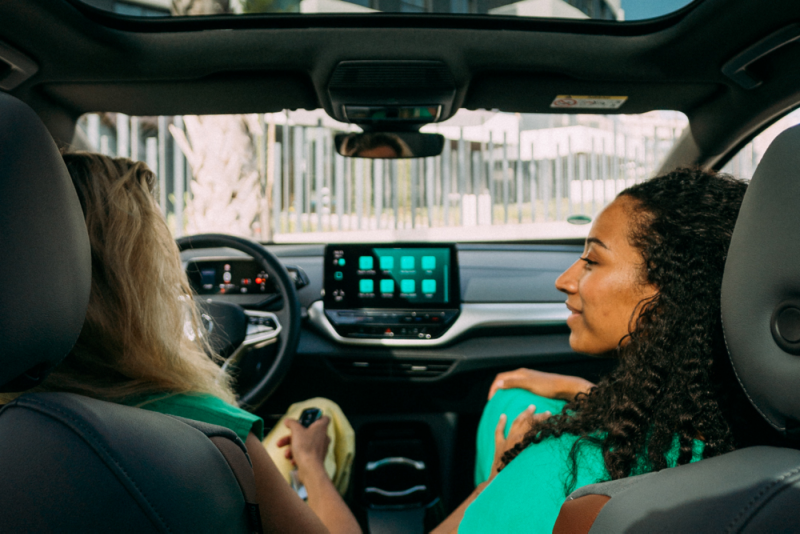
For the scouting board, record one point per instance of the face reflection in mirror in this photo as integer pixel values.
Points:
(379, 145)
(604, 287)
(379, 152)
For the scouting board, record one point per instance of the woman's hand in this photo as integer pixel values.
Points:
(307, 447)
(548, 385)
(521, 426)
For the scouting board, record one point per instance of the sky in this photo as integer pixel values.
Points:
(646, 9)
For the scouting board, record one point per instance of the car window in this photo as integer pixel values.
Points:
(500, 177)
(607, 10)
(744, 163)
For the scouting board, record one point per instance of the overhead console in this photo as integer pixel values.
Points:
(409, 292)
(391, 94)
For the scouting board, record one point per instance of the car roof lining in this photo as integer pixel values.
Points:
(87, 66)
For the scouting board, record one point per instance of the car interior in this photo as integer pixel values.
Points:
(412, 374)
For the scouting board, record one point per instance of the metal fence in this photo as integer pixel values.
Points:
(470, 184)
(506, 178)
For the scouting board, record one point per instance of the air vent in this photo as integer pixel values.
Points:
(392, 368)
(395, 74)
(426, 368)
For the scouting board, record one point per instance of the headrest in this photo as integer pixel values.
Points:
(761, 287)
(45, 259)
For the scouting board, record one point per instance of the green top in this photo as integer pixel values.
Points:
(206, 408)
(527, 495)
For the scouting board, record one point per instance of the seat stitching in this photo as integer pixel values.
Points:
(760, 494)
(91, 431)
(769, 419)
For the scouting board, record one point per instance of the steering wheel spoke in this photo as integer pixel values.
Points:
(263, 328)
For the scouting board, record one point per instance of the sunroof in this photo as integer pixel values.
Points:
(606, 10)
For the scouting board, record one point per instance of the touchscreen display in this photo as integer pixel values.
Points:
(374, 276)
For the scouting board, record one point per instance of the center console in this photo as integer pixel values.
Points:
(396, 477)
(398, 292)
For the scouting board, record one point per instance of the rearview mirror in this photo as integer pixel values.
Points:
(389, 145)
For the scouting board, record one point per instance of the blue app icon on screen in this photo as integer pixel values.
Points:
(387, 286)
(407, 263)
(366, 286)
(429, 286)
(365, 263)
(428, 263)
(387, 263)
(407, 286)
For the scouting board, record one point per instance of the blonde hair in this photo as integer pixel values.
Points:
(140, 333)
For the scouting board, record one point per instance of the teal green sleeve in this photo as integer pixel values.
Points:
(511, 402)
(208, 409)
(527, 495)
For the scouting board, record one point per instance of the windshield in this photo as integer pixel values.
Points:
(277, 177)
(607, 10)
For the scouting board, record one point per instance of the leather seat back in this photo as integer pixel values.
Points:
(74, 464)
(69, 463)
(751, 490)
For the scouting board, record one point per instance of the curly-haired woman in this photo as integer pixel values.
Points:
(646, 291)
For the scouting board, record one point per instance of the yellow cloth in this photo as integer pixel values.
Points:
(340, 451)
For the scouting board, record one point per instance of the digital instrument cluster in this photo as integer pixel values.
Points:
(240, 276)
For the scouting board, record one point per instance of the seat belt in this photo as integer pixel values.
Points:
(243, 471)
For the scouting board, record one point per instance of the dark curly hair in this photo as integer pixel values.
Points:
(674, 379)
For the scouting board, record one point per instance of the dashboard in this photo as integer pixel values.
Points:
(401, 295)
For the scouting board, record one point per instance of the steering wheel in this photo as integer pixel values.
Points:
(234, 330)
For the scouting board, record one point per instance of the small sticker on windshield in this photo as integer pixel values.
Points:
(588, 102)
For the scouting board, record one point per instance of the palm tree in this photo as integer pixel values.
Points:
(225, 152)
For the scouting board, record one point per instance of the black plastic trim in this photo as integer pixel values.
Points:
(737, 68)
(791, 347)
(380, 20)
(738, 147)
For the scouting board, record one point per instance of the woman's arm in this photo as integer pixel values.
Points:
(309, 446)
(549, 385)
(521, 425)
(450, 525)
(281, 509)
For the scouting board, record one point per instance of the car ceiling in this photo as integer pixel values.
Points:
(92, 61)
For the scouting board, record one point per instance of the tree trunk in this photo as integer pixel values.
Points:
(222, 150)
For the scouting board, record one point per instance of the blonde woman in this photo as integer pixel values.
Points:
(138, 344)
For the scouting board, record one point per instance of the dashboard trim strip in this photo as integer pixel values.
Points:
(472, 316)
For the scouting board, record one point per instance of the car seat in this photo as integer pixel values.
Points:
(754, 489)
(70, 463)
